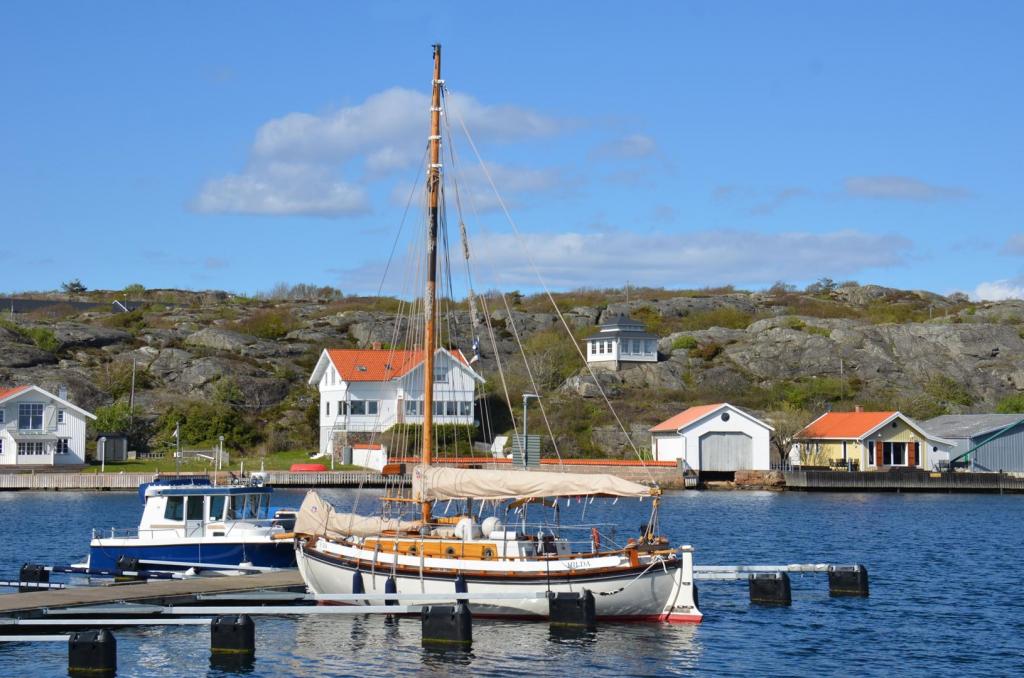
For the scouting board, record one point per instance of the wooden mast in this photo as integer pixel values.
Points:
(430, 298)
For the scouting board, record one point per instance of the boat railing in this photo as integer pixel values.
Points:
(580, 538)
(221, 528)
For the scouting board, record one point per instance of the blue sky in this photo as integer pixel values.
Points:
(234, 145)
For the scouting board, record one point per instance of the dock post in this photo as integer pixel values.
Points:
(92, 653)
(848, 580)
(232, 642)
(33, 574)
(770, 588)
(447, 626)
(573, 611)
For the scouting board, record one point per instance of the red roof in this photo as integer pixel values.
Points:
(844, 425)
(686, 417)
(367, 446)
(12, 391)
(377, 364)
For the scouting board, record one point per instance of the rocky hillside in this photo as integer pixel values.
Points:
(238, 367)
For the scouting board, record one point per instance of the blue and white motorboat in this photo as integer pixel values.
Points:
(191, 524)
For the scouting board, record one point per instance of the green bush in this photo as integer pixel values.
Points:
(708, 351)
(727, 316)
(684, 342)
(1013, 404)
(270, 323)
(42, 337)
(117, 418)
(203, 423)
(814, 393)
(946, 390)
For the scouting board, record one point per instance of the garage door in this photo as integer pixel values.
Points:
(726, 452)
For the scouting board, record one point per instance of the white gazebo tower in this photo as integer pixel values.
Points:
(622, 340)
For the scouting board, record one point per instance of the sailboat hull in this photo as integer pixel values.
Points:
(659, 590)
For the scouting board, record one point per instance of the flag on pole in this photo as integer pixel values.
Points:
(476, 350)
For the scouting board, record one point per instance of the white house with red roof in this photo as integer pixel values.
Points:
(371, 390)
(38, 428)
(714, 438)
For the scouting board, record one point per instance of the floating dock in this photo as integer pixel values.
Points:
(157, 592)
(909, 480)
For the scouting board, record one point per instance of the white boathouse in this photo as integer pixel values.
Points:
(716, 438)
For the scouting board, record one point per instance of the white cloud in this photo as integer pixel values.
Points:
(901, 188)
(308, 164)
(607, 258)
(631, 146)
(999, 290)
(779, 199)
(281, 189)
(513, 183)
(1014, 245)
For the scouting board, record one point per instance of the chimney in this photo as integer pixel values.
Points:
(858, 408)
(376, 345)
(62, 392)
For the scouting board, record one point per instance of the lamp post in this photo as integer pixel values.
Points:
(220, 456)
(103, 454)
(525, 441)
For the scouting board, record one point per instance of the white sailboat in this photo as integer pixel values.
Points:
(644, 579)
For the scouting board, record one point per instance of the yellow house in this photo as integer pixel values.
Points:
(866, 441)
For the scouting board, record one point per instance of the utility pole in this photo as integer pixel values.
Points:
(131, 398)
(103, 454)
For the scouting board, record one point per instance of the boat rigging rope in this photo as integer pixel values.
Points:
(547, 292)
(657, 559)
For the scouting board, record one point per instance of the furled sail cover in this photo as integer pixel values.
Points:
(317, 517)
(441, 482)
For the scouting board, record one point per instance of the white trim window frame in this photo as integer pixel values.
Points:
(61, 416)
(31, 417)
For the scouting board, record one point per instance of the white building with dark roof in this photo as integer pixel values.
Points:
(622, 340)
(995, 442)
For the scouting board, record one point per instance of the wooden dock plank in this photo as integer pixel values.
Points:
(17, 604)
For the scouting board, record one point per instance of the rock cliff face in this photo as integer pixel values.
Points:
(855, 344)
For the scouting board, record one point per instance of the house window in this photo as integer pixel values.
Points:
(440, 374)
(62, 445)
(414, 408)
(60, 416)
(31, 448)
(30, 416)
(361, 407)
(327, 408)
(1, 415)
(608, 346)
(593, 349)
(894, 454)
(600, 347)
(449, 408)
(1, 444)
(342, 408)
(465, 409)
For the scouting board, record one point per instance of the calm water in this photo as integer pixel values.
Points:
(946, 596)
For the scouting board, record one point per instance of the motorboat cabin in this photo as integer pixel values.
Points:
(198, 525)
